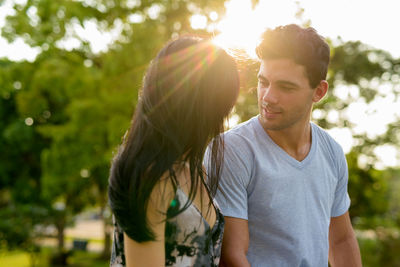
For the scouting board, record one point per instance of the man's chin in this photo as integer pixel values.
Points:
(269, 124)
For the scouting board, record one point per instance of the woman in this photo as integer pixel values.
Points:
(161, 198)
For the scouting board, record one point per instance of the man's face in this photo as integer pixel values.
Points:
(285, 96)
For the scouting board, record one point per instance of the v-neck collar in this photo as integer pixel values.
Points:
(282, 152)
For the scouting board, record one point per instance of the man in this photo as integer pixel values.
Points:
(283, 189)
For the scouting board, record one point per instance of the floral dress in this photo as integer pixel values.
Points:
(189, 239)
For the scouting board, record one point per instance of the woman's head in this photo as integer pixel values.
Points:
(188, 90)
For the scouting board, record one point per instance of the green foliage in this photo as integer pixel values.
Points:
(370, 250)
(380, 250)
(17, 225)
(21, 206)
(363, 70)
(370, 204)
(78, 103)
(353, 61)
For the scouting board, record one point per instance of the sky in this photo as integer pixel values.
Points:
(373, 22)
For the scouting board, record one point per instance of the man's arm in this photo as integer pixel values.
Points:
(343, 246)
(235, 243)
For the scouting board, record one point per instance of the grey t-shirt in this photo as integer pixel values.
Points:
(288, 204)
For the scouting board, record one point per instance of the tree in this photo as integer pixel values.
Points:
(82, 101)
(21, 207)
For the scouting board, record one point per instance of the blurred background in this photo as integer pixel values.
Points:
(70, 71)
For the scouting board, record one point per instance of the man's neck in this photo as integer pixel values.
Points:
(296, 140)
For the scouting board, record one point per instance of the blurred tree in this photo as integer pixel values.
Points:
(363, 72)
(369, 192)
(63, 114)
(80, 100)
(21, 204)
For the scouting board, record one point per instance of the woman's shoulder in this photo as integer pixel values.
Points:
(165, 191)
(161, 196)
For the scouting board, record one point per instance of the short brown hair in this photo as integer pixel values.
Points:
(303, 45)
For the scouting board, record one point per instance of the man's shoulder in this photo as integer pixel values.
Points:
(325, 139)
(241, 137)
(242, 130)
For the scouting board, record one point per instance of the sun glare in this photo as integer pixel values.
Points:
(242, 25)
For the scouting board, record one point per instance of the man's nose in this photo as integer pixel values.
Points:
(270, 95)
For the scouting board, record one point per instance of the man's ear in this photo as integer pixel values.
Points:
(320, 91)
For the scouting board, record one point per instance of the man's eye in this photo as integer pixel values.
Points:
(286, 88)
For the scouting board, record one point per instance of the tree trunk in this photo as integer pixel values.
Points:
(107, 234)
(60, 224)
(60, 258)
(107, 240)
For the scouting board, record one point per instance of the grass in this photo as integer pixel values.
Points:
(14, 258)
(87, 259)
(20, 258)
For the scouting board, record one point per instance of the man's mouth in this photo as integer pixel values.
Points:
(270, 110)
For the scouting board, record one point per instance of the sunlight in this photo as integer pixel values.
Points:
(198, 22)
(242, 25)
(238, 27)
(388, 156)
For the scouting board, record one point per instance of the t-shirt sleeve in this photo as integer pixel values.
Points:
(341, 201)
(235, 175)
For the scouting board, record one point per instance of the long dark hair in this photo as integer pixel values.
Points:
(188, 91)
